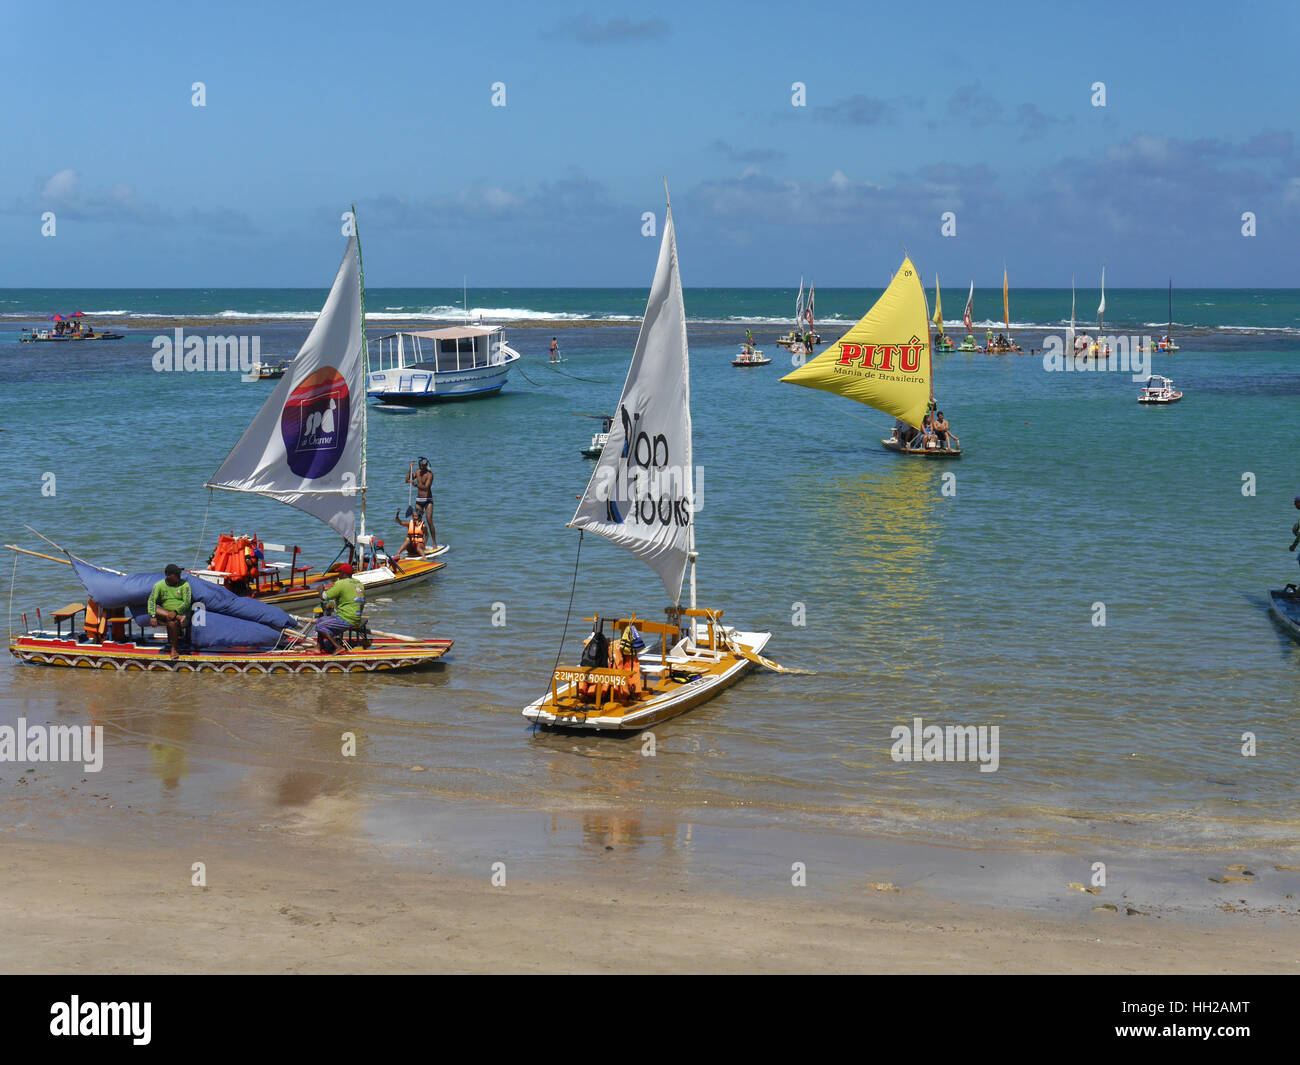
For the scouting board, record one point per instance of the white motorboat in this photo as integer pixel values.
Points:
(440, 365)
(1159, 390)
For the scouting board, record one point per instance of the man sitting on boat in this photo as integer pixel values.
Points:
(170, 600)
(942, 431)
(346, 597)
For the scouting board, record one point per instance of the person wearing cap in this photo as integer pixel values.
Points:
(346, 598)
(170, 600)
(423, 481)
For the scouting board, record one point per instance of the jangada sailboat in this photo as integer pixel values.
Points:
(641, 497)
(307, 447)
(884, 361)
(943, 342)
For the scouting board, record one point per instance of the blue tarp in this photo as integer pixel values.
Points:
(229, 620)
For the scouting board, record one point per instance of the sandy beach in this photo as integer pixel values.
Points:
(277, 910)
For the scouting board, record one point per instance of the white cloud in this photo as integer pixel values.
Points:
(62, 187)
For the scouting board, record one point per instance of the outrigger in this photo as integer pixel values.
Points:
(641, 497)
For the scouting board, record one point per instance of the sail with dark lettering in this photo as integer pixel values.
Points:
(640, 495)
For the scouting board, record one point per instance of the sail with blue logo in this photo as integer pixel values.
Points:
(306, 446)
(641, 493)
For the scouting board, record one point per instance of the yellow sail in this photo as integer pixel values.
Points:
(1006, 306)
(884, 360)
(938, 306)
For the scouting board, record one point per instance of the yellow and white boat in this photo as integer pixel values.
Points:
(641, 496)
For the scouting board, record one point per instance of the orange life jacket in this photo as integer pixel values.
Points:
(415, 533)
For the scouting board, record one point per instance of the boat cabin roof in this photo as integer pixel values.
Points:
(1158, 382)
(455, 332)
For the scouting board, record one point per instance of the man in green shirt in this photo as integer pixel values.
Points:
(170, 600)
(348, 598)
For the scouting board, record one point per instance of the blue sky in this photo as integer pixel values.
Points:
(912, 110)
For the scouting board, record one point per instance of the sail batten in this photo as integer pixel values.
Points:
(641, 493)
(306, 445)
(884, 360)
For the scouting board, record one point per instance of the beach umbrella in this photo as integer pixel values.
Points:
(79, 314)
(55, 318)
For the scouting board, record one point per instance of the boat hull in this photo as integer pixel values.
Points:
(924, 453)
(386, 654)
(420, 384)
(413, 571)
(1285, 608)
(658, 705)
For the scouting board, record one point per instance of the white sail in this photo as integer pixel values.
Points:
(1101, 307)
(641, 493)
(798, 303)
(306, 446)
(1069, 336)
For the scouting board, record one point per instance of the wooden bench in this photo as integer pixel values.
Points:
(602, 677)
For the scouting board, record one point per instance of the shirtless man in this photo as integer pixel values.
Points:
(423, 481)
(555, 350)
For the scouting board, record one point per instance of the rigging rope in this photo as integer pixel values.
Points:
(572, 590)
(203, 531)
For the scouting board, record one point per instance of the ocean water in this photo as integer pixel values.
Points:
(1200, 311)
(893, 599)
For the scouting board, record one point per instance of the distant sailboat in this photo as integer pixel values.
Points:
(968, 320)
(641, 497)
(942, 342)
(1101, 307)
(1167, 345)
(884, 362)
(1070, 334)
(1003, 344)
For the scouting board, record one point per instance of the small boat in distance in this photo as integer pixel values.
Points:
(967, 319)
(266, 371)
(599, 438)
(66, 328)
(884, 361)
(750, 356)
(440, 365)
(1159, 390)
(942, 342)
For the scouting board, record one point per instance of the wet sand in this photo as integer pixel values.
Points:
(270, 909)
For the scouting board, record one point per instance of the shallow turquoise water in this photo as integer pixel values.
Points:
(974, 608)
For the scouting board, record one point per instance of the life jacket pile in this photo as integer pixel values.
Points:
(236, 556)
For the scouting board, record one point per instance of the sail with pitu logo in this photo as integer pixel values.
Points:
(885, 362)
(306, 446)
(640, 495)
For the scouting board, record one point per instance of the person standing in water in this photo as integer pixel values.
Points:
(555, 349)
(423, 481)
